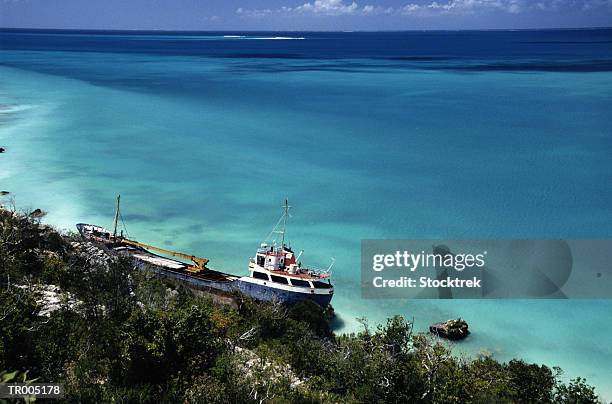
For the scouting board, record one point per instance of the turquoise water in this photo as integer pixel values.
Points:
(204, 149)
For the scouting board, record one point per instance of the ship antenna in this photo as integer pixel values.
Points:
(116, 217)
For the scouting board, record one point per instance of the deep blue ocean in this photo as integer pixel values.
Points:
(449, 134)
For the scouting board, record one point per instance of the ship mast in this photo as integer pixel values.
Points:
(277, 227)
(285, 214)
(116, 217)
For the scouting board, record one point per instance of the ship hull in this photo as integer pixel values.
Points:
(226, 283)
(267, 293)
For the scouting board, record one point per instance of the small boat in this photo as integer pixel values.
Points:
(276, 274)
(450, 329)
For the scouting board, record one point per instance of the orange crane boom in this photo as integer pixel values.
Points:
(199, 263)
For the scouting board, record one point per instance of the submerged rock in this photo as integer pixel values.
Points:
(451, 329)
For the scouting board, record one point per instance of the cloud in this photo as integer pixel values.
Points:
(328, 7)
(597, 4)
(410, 9)
(427, 8)
(368, 9)
(255, 13)
(464, 7)
(373, 10)
(318, 7)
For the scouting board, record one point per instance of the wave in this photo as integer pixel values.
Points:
(278, 37)
(420, 58)
(262, 37)
(162, 38)
(564, 42)
(262, 56)
(578, 66)
(302, 63)
(13, 108)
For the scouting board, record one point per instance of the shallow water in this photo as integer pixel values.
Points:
(203, 136)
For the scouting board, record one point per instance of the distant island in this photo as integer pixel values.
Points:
(75, 313)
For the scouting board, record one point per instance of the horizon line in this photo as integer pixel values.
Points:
(307, 30)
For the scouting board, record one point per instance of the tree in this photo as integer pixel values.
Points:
(577, 392)
(530, 382)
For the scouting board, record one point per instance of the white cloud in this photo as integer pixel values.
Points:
(410, 9)
(372, 10)
(368, 9)
(451, 7)
(254, 13)
(427, 7)
(597, 4)
(328, 7)
(319, 7)
(464, 7)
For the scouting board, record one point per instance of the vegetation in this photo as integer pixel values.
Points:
(119, 335)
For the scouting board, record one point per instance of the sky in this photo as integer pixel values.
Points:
(298, 15)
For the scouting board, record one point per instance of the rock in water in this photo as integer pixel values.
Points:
(451, 329)
(37, 213)
(2, 193)
(2, 149)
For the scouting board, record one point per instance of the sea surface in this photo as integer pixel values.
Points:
(495, 134)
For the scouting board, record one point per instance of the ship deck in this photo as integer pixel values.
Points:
(305, 276)
(173, 265)
(212, 275)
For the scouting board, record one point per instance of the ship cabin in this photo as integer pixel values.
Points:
(93, 232)
(280, 265)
